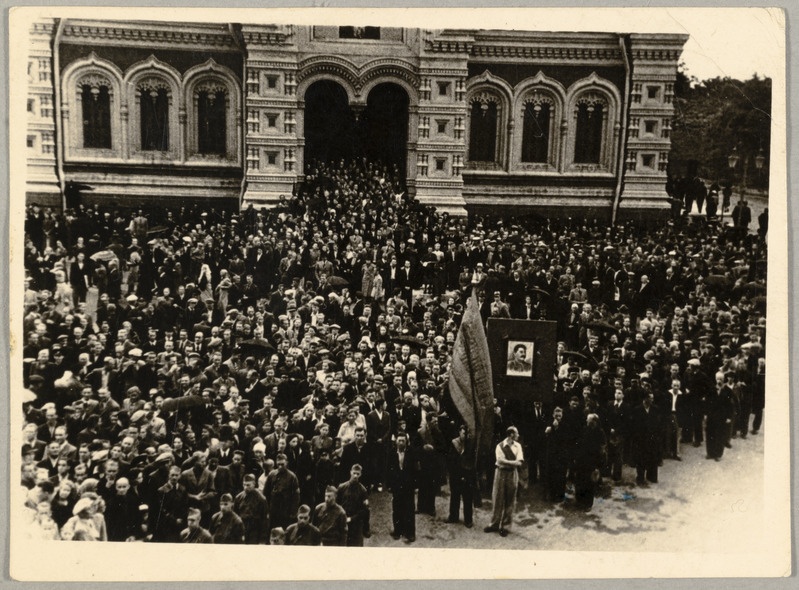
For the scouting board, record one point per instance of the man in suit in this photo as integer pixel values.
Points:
(644, 297)
(391, 276)
(499, 309)
(402, 473)
(527, 310)
(461, 477)
(223, 481)
(378, 436)
(616, 423)
(355, 452)
(410, 413)
(578, 294)
(80, 277)
(534, 422)
(169, 514)
(254, 391)
(199, 484)
(646, 435)
(742, 216)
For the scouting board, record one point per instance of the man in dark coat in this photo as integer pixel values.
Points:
(352, 453)
(402, 472)
(331, 520)
(718, 406)
(195, 533)
(696, 386)
(533, 423)
(303, 532)
(588, 463)
(169, 514)
(122, 512)
(461, 477)
(646, 435)
(557, 457)
(378, 438)
(227, 527)
(282, 491)
(252, 508)
(354, 499)
(616, 423)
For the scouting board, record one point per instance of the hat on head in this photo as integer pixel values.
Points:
(81, 505)
(164, 457)
(137, 416)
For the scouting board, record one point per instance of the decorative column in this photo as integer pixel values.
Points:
(440, 147)
(272, 111)
(654, 69)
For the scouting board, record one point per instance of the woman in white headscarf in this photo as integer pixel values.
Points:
(205, 286)
(82, 526)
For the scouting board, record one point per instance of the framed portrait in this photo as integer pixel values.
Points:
(520, 358)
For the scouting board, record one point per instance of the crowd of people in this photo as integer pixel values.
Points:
(208, 376)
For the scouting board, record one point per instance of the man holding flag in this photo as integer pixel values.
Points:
(470, 385)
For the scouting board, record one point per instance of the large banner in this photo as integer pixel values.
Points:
(522, 358)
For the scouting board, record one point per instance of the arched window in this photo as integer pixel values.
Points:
(214, 117)
(536, 129)
(154, 100)
(211, 119)
(96, 111)
(591, 112)
(483, 126)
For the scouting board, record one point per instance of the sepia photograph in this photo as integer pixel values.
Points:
(256, 255)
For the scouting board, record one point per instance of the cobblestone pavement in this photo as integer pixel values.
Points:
(697, 505)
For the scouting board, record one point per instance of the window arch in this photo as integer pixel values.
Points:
(154, 102)
(213, 109)
(91, 110)
(212, 104)
(590, 116)
(95, 98)
(539, 130)
(484, 125)
(153, 97)
(594, 127)
(538, 120)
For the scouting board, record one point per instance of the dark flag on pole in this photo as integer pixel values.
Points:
(470, 384)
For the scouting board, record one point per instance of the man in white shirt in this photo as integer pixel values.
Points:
(509, 459)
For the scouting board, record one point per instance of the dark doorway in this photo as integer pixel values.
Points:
(379, 132)
(330, 133)
(384, 126)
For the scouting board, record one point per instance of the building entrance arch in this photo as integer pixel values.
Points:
(336, 128)
(330, 130)
(384, 128)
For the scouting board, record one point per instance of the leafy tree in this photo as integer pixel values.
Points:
(713, 117)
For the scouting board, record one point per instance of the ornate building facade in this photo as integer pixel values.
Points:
(558, 123)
